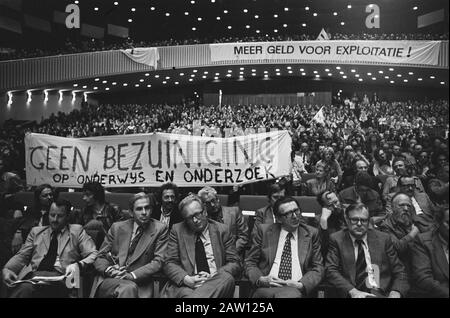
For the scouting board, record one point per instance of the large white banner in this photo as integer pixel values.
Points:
(395, 52)
(153, 159)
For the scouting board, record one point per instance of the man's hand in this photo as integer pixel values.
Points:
(9, 276)
(334, 179)
(326, 213)
(71, 269)
(355, 293)
(293, 283)
(16, 243)
(269, 281)
(193, 281)
(394, 294)
(126, 276)
(115, 271)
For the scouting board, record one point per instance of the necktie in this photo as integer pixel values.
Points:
(200, 256)
(285, 271)
(48, 262)
(361, 272)
(135, 241)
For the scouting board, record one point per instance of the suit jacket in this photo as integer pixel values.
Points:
(175, 216)
(74, 245)
(341, 262)
(262, 254)
(263, 215)
(146, 260)
(180, 256)
(233, 218)
(373, 201)
(429, 265)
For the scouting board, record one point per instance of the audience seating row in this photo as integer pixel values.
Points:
(247, 203)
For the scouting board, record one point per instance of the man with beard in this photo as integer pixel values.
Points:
(363, 262)
(422, 207)
(230, 216)
(201, 259)
(167, 209)
(51, 250)
(430, 259)
(401, 228)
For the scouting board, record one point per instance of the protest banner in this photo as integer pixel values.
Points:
(392, 52)
(153, 159)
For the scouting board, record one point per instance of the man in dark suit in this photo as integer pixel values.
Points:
(363, 262)
(430, 259)
(166, 211)
(265, 214)
(201, 259)
(230, 216)
(131, 253)
(285, 260)
(362, 192)
(52, 250)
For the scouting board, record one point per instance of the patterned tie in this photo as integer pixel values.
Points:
(48, 262)
(361, 265)
(135, 241)
(200, 256)
(285, 271)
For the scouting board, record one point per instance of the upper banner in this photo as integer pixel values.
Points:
(394, 52)
(144, 55)
(153, 159)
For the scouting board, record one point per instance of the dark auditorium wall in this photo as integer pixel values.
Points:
(317, 98)
(36, 109)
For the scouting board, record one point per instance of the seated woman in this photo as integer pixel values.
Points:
(320, 183)
(335, 171)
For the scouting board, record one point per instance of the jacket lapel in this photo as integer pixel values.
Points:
(143, 243)
(302, 246)
(65, 237)
(189, 243)
(273, 237)
(46, 238)
(215, 243)
(374, 248)
(441, 259)
(349, 256)
(124, 238)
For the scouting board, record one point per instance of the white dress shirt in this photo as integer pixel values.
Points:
(416, 206)
(295, 263)
(369, 268)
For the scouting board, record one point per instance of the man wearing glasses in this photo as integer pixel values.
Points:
(201, 259)
(363, 262)
(285, 260)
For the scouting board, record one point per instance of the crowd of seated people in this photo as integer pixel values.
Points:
(378, 170)
(72, 46)
(199, 248)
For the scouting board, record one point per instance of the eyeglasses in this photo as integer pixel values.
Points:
(46, 195)
(355, 221)
(291, 213)
(196, 216)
